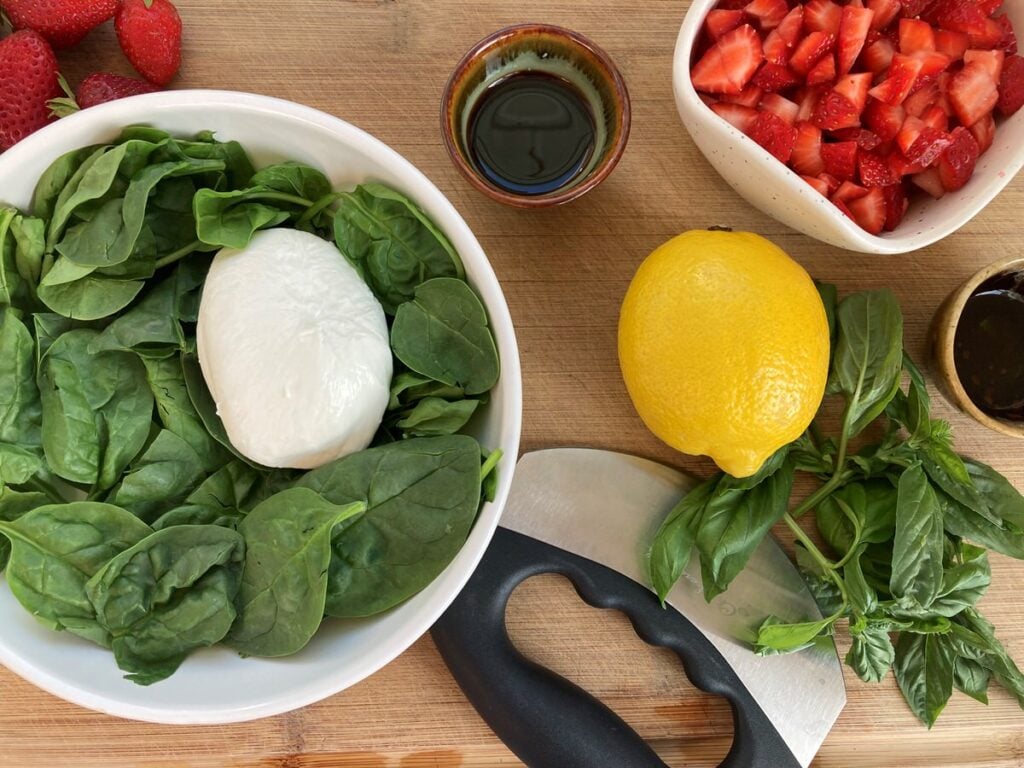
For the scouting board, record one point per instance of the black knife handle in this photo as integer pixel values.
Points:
(548, 721)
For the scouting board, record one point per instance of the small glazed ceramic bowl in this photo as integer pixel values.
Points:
(554, 51)
(775, 189)
(944, 327)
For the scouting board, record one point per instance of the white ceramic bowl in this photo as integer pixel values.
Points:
(216, 685)
(775, 189)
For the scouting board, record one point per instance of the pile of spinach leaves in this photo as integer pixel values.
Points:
(906, 520)
(127, 517)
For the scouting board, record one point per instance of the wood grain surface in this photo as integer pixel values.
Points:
(382, 64)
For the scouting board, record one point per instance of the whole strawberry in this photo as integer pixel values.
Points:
(150, 36)
(104, 86)
(62, 22)
(28, 79)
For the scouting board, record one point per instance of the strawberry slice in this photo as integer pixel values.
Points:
(810, 50)
(848, 191)
(1008, 42)
(935, 117)
(928, 146)
(1011, 86)
(822, 16)
(900, 166)
(771, 132)
(885, 120)
(749, 97)
(855, 88)
(808, 99)
(956, 165)
(853, 31)
(896, 205)
(835, 111)
(781, 106)
(822, 72)
(972, 93)
(768, 13)
(865, 139)
(739, 116)
(909, 132)
(831, 181)
(930, 182)
(899, 80)
(884, 12)
(951, 44)
(783, 39)
(965, 16)
(773, 77)
(869, 211)
(932, 65)
(878, 55)
(916, 35)
(913, 8)
(840, 159)
(874, 171)
(992, 61)
(806, 157)
(820, 186)
(719, 22)
(984, 132)
(730, 63)
(919, 101)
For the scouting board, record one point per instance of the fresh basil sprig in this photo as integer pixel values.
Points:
(897, 515)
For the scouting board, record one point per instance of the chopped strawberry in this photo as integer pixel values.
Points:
(709, 100)
(853, 31)
(719, 22)
(916, 35)
(822, 16)
(842, 208)
(909, 133)
(884, 12)
(928, 146)
(849, 191)
(883, 119)
(772, 133)
(774, 77)
(855, 88)
(806, 157)
(781, 106)
(896, 205)
(984, 132)
(865, 139)
(967, 17)
(783, 39)
(768, 13)
(728, 66)
(899, 80)
(808, 99)
(830, 180)
(901, 166)
(989, 7)
(1011, 86)
(992, 61)
(869, 211)
(951, 44)
(840, 159)
(874, 171)
(748, 97)
(810, 50)
(929, 181)
(820, 186)
(935, 117)
(912, 8)
(835, 111)
(972, 93)
(932, 65)
(823, 72)
(1008, 42)
(919, 101)
(732, 5)
(739, 116)
(878, 55)
(957, 163)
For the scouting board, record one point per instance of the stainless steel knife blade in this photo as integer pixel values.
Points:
(607, 506)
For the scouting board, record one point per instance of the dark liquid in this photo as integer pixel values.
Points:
(989, 347)
(531, 133)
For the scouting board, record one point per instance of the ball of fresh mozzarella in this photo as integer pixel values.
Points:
(294, 349)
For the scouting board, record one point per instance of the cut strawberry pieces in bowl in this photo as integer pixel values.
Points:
(870, 102)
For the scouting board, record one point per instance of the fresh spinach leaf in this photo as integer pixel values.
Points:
(294, 179)
(229, 219)
(918, 545)
(204, 404)
(442, 333)
(196, 514)
(55, 178)
(433, 416)
(20, 409)
(284, 582)
(83, 294)
(14, 504)
(162, 476)
(422, 497)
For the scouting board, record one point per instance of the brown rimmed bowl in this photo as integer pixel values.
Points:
(553, 50)
(944, 328)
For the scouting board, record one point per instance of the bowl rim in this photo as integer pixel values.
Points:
(498, 38)
(856, 238)
(509, 421)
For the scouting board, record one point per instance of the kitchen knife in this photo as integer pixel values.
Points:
(590, 515)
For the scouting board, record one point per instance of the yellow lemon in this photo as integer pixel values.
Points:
(724, 347)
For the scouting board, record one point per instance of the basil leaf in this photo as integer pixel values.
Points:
(989, 652)
(965, 583)
(972, 678)
(871, 653)
(869, 355)
(996, 492)
(863, 599)
(284, 581)
(924, 672)
(918, 546)
(775, 636)
(873, 503)
(443, 333)
(960, 520)
(676, 537)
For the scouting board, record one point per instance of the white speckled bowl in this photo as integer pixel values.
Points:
(215, 685)
(775, 189)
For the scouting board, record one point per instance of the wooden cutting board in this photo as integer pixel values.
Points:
(382, 64)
